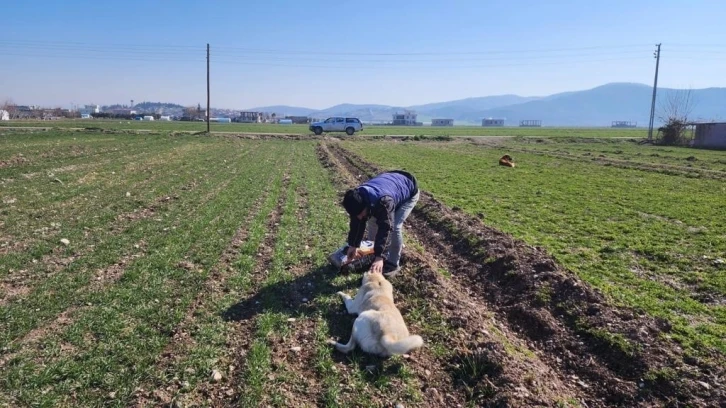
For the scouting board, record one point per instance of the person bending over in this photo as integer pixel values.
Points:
(380, 206)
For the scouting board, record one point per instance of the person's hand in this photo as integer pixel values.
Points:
(377, 266)
(352, 253)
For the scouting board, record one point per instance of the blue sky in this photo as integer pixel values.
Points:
(320, 53)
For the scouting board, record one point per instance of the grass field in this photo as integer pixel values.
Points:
(186, 255)
(368, 130)
(134, 268)
(649, 239)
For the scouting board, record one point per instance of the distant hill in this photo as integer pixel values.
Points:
(592, 107)
(604, 104)
(463, 108)
(283, 110)
(366, 113)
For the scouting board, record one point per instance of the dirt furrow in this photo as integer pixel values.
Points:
(614, 356)
(489, 364)
(181, 339)
(296, 351)
(243, 333)
(293, 355)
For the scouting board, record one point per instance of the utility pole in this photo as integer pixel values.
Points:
(655, 88)
(208, 89)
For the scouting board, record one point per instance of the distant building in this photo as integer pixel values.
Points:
(86, 116)
(623, 124)
(489, 122)
(299, 120)
(121, 111)
(49, 114)
(530, 123)
(442, 122)
(149, 118)
(407, 118)
(711, 135)
(23, 111)
(249, 117)
(221, 120)
(4, 115)
(165, 118)
(90, 109)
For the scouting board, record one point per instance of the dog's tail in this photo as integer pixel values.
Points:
(402, 346)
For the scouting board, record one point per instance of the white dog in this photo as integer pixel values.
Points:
(379, 328)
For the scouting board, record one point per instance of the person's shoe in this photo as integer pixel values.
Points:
(390, 270)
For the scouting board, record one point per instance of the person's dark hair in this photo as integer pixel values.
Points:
(353, 202)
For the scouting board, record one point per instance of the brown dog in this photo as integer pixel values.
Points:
(506, 160)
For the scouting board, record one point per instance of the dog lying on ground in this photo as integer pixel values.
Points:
(506, 160)
(379, 328)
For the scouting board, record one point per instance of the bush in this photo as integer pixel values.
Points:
(674, 133)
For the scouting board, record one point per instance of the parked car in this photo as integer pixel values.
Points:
(337, 124)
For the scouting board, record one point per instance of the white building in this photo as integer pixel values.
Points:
(442, 122)
(712, 135)
(530, 123)
(149, 118)
(90, 109)
(165, 118)
(4, 115)
(250, 117)
(407, 118)
(492, 122)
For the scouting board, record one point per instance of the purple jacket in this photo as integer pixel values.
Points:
(383, 195)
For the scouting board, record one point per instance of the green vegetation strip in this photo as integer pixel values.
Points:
(52, 293)
(112, 342)
(85, 215)
(629, 151)
(648, 240)
(159, 126)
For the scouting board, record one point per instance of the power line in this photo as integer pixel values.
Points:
(480, 52)
(78, 50)
(446, 60)
(107, 57)
(697, 45)
(283, 57)
(243, 62)
(313, 51)
(177, 48)
(241, 56)
(116, 45)
(524, 64)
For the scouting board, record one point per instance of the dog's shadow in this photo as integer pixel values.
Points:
(312, 294)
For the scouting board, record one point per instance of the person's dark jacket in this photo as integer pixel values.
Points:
(383, 195)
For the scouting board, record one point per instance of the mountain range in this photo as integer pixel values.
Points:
(593, 107)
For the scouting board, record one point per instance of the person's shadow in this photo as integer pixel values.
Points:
(309, 295)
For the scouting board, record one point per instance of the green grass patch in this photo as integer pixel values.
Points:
(159, 126)
(647, 239)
